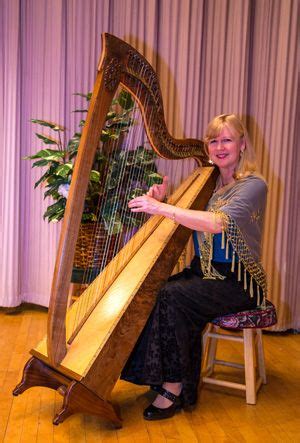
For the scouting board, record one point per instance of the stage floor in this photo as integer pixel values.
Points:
(220, 416)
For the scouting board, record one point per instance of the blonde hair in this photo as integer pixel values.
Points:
(247, 163)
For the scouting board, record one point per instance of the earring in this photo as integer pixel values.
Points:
(210, 162)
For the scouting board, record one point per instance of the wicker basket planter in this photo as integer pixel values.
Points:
(90, 252)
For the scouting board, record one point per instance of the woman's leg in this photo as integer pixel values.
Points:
(169, 349)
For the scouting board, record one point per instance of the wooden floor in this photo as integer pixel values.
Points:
(219, 417)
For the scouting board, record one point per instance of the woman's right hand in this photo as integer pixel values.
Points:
(159, 192)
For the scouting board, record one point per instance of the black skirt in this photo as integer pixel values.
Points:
(169, 348)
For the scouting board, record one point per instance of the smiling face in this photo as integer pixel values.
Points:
(225, 149)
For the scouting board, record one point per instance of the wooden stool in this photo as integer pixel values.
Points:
(250, 324)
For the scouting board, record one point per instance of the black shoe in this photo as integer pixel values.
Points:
(155, 413)
(155, 388)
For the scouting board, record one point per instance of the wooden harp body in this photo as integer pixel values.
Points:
(84, 362)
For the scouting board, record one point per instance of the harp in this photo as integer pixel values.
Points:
(89, 341)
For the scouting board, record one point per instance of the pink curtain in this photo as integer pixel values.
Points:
(212, 56)
(10, 165)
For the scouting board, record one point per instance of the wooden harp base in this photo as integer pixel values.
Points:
(76, 397)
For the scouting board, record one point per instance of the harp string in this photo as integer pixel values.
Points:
(107, 251)
(126, 152)
(141, 136)
(133, 138)
(96, 240)
(97, 247)
(138, 178)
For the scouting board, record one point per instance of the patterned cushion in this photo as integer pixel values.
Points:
(256, 318)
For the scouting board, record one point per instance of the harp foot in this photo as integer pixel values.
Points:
(79, 399)
(76, 397)
(36, 373)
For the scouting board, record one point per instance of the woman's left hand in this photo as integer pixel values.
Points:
(145, 203)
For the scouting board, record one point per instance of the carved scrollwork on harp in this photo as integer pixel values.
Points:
(112, 74)
(142, 71)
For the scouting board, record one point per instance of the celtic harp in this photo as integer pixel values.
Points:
(89, 341)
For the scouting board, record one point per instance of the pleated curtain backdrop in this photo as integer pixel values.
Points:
(212, 57)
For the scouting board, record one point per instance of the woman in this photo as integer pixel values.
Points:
(225, 275)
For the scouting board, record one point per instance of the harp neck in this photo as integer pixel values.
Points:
(123, 64)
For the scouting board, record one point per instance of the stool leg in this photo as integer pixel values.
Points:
(210, 352)
(205, 348)
(207, 330)
(249, 366)
(261, 357)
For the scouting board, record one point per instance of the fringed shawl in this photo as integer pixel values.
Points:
(241, 206)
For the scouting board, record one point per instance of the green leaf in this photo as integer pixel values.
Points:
(88, 217)
(113, 225)
(153, 179)
(105, 136)
(87, 96)
(53, 178)
(73, 144)
(110, 115)
(54, 218)
(51, 125)
(125, 100)
(56, 209)
(118, 123)
(95, 176)
(47, 140)
(111, 183)
(42, 179)
(137, 192)
(46, 154)
(40, 163)
(100, 157)
(144, 156)
(65, 169)
(73, 153)
(54, 182)
(51, 192)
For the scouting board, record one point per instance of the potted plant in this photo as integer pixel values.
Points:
(128, 173)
